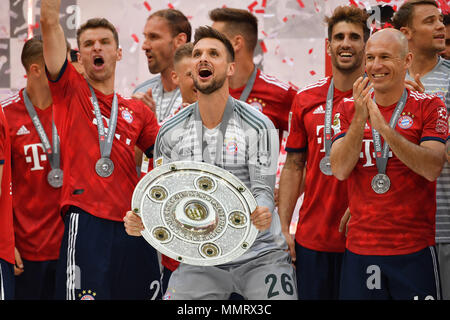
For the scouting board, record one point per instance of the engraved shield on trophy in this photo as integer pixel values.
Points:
(195, 213)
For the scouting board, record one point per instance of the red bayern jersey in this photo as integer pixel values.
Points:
(6, 215)
(402, 220)
(38, 226)
(107, 198)
(325, 197)
(270, 96)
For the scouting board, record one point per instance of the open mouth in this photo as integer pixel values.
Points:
(99, 61)
(204, 73)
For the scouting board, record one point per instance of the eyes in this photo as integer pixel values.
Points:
(211, 52)
(104, 41)
(352, 36)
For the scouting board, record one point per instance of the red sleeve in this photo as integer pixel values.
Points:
(2, 139)
(65, 85)
(147, 137)
(297, 139)
(435, 126)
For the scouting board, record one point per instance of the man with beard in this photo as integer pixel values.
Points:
(422, 23)
(98, 260)
(194, 134)
(164, 32)
(319, 246)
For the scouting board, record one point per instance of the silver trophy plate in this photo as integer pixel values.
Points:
(195, 213)
(55, 178)
(325, 166)
(104, 167)
(381, 183)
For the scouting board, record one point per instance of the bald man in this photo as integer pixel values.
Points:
(391, 148)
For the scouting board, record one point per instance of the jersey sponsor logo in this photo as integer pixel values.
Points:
(405, 121)
(116, 135)
(319, 110)
(35, 154)
(367, 153)
(22, 131)
(257, 103)
(127, 115)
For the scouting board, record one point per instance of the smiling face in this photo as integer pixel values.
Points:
(427, 31)
(211, 65)
(158, 45)
(346, 47)
(387, 60)
(99, 53)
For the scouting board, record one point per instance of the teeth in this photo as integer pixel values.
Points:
(379, 75)
(346, 55)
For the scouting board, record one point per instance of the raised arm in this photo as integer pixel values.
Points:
(55, 50)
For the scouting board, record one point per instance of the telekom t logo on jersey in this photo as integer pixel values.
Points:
(35, 154)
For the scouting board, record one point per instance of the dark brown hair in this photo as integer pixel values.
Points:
(32, 52)
(209, 32)
(177, 22)
(238, 21)
(95, 23)
(350, 14)
(404, 15)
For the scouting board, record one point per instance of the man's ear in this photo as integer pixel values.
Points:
(328, 47)
(175, 78)
(407, 32)
(180, 39)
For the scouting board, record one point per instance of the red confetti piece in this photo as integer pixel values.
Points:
(300, 3)
(310, 51)
(312, 72)
(135, 37)
(353, 3)
(252, 6)
(285, 19)
(147, 5)
(264, 3)
(263, 46)
(394, 8)
(260, 11)
(265, 34)
(171, 6)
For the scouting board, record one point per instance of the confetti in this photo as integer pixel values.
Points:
(171, 6)
(252, 6)
(312, 72)
(353, 3)
(147, 5)
(285, 19)
(263, 46)
(310, 51)
(300, 3)
(260, 11)
(135, 37)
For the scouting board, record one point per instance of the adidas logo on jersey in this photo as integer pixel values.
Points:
(23, 130)
(319, 109)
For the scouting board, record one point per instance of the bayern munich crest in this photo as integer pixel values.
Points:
(405, 122)
(232, 148)
(195, 213)
(127, 115)
(257, 103)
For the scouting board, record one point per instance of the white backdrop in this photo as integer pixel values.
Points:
(292, 31)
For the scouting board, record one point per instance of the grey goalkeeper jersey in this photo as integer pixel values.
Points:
(437, 82)
(249, 151)
(166, 102)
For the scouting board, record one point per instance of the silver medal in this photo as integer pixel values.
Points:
(325, 166)
(55, 178)
(104, 167)
(381, 183)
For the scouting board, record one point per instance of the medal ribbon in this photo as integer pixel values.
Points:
(229, 108)
(249, 86)
(382, 153)
(53, 152)
(328, 112)
(105, 143)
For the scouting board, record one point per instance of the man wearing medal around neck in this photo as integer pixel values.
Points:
(318, 246)
(390, 251)
(37, 178)
(100, 130)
